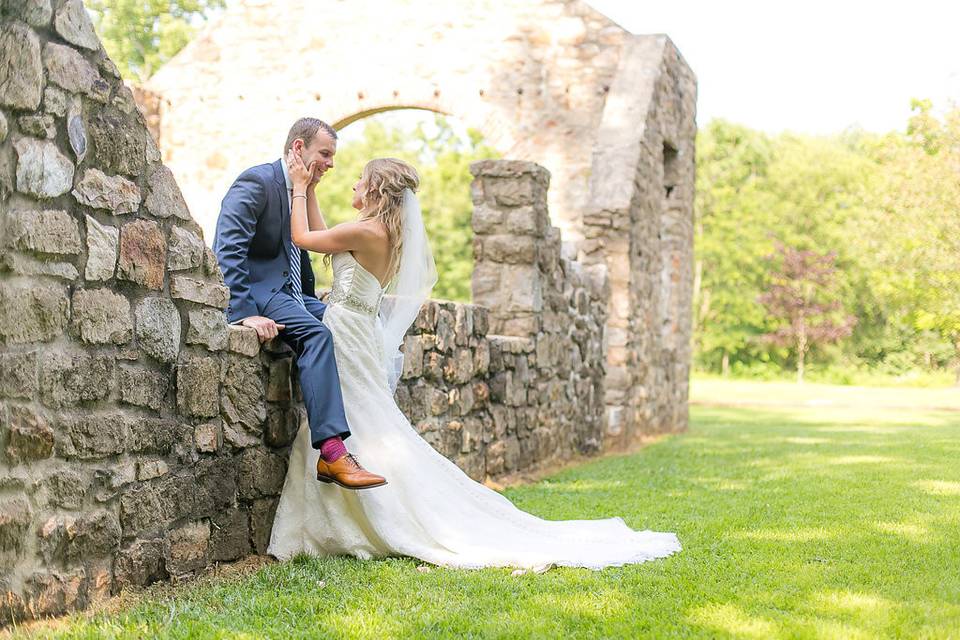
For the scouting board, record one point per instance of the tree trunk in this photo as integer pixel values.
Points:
(801, 350)
(956, 348)
(725, 364)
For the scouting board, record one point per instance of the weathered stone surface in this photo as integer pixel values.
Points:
(70, 70)
(103, 242)
(243, 340)
(101, 316)
(73, 24)
(215, 484)
(108, 482)
(209, 328)
(36, 13)
(229, 536)
(52, 232)
(207, 293)
(142, 387)
(206, 437)
(30, 437)
(185, 250)
(278, 381)
(261, 474)
(68, 539)
(42, 171)
(188, 547)
(4, 127)
(243, 393)
(21, 72)
(31, 312)
(118, 141)
(51, 594)
(41, 126)
(54, 101)
(164, 198)
(15, 518)
(150, 469)
(18, 374)
(282, 426)
(141, 563)
(158, 328)
(142, 254)
(66, 488)
(90, 436)
(141, 509)
(198, 386)
(152, 435)
(261, 523)
(77, 134)
(238, 437)
(115, 194)
(27, 265)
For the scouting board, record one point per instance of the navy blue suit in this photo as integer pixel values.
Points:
(252, 242)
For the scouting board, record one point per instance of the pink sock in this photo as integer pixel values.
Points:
(332, 449)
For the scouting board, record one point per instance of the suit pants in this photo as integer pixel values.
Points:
(312, 342)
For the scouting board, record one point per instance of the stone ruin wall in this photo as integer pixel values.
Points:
(141, 437)
(638, 227)
(609, 113)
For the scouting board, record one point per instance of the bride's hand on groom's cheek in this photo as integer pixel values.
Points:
(300, 174)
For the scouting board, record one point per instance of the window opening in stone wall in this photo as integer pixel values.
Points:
(441, 148)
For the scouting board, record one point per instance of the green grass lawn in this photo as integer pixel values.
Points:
(835, 516)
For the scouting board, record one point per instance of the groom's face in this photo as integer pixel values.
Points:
(320, 150)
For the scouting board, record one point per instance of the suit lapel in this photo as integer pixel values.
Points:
(281, 188)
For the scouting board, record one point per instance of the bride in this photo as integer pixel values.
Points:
(428, 509)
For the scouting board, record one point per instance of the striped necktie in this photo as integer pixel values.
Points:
(296, 284)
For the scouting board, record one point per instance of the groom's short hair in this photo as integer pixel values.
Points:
(306, 129)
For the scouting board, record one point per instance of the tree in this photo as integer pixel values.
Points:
(915, 224)
(140, 35)
(800, 298)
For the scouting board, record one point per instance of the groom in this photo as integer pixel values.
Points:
(272, 289)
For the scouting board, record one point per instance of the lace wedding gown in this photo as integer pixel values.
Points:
(429, 509)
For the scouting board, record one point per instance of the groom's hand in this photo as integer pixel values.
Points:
(266, 328)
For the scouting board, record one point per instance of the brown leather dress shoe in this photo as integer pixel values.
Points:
(347, 473)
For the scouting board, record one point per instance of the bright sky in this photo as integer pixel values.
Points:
(815, 66)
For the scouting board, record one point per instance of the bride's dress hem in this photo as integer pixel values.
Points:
(430, 510)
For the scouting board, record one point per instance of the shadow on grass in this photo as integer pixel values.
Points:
(809, 523)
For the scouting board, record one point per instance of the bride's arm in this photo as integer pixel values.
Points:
(349, 236)
(315, 219)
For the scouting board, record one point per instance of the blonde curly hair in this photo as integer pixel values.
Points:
(385, 180)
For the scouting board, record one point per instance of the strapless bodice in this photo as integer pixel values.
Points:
(353, 286)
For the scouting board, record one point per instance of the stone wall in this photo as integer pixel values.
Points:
(141, 437)
(554, 82)
(516, 381)
(639, 228)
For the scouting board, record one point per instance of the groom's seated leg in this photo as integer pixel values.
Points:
(319, 381)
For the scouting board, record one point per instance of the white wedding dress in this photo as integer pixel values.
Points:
(429, 509)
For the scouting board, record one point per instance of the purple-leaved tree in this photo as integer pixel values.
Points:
(800, 298)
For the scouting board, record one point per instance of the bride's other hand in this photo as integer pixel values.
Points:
(300, 174)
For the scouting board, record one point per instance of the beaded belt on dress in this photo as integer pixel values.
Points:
(338, 296)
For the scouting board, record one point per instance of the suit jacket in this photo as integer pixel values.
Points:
(252, 241)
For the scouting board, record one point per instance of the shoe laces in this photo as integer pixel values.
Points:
(353, 461)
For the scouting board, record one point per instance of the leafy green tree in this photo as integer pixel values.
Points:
(442, 159)
(730, 242)
(915, 226)
(140, 35)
